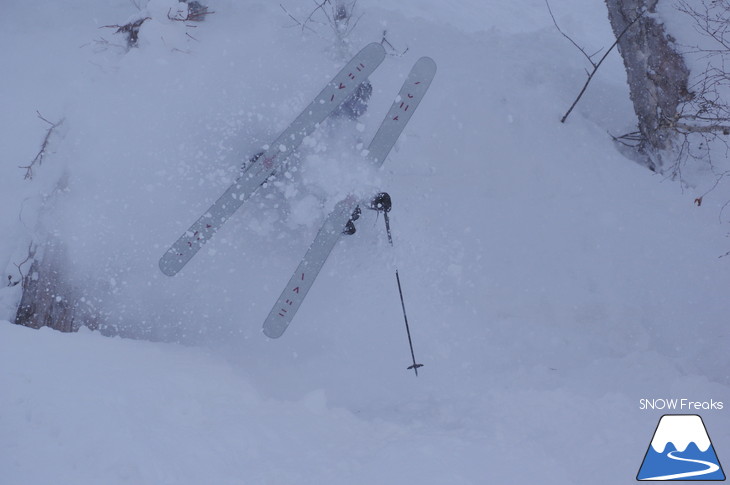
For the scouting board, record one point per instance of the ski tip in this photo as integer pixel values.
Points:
(166, 268)
(374, 48)
(428, 64)
(427, 60)
(273, 331)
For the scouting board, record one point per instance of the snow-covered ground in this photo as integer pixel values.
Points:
(550, 282)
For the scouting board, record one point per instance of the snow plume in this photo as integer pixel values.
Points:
(154, 133)
(335, 164)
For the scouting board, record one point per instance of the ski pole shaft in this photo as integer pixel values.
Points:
(387, 229)
(408, 329)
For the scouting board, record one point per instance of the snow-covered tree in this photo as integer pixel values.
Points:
(657, 76)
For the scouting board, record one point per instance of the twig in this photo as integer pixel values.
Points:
(338, 17)
(385, 43)
(634, 136)
(299, 22)
(722, 209)
(126, 27)
(190, 16)
(38, 160)
(131, 29)
(555, 22)
(718, 179)
(320, 5)
(290, 15)
(597, 65)
(31, 255)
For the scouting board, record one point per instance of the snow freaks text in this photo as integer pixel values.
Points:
(679, 404)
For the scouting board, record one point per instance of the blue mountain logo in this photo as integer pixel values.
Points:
(681, 450)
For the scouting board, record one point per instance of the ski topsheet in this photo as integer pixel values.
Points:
(410, 95)
(341, 86)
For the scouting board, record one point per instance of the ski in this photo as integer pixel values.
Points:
(410, 95)
(266, 164)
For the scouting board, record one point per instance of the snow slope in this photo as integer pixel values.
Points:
(550, 282)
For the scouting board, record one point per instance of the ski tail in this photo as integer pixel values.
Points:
(265, 164)
(413, 89)
(301, 281)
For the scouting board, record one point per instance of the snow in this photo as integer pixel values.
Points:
(550, 282)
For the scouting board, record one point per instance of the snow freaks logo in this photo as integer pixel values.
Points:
(679, 404)
(680, 450)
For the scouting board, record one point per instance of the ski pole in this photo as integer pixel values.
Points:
(382, 203)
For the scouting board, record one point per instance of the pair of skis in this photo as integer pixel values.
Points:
(266, 165)
(410, 95)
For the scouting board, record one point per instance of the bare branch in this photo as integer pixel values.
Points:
(596, 66)
(555, 22)
(704, 119)
(192, 15)
(131, 30)
(19, 266)
(319, 6)
(385, 43)
(724, 129)
(38, 160)
(298, 22)
(631, 140)
(335, 14)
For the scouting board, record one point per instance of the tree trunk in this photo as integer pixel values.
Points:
(657, 76)
(48, 299)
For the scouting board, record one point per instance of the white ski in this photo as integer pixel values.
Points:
(410, 95)
(341, 86)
